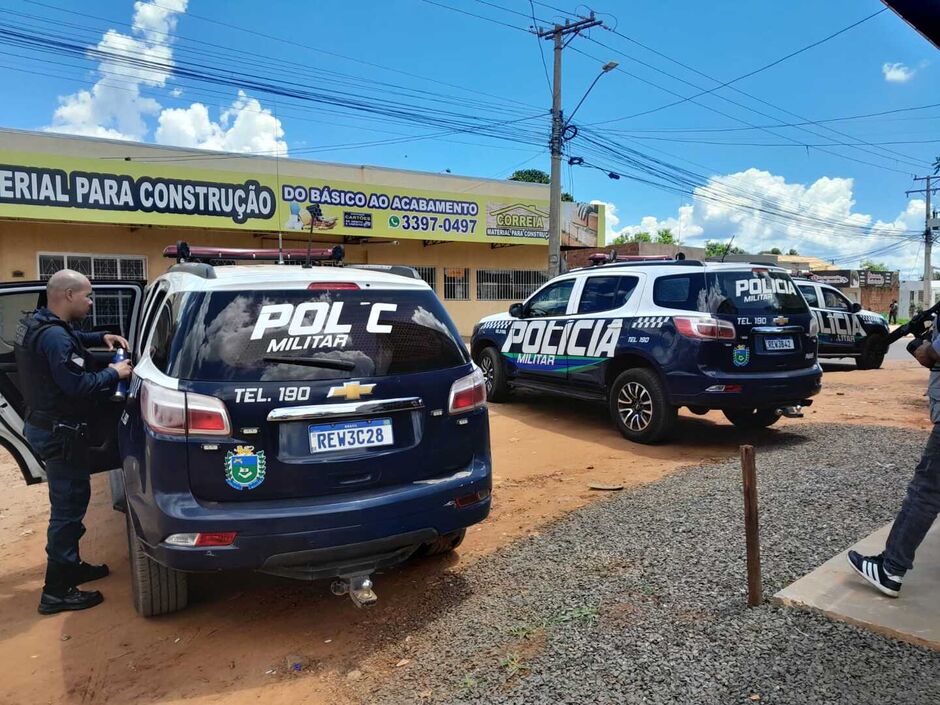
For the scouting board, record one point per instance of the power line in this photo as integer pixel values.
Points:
(538, 41)
(796, 124)
(749, 73)
(743, 121)
(473, 14)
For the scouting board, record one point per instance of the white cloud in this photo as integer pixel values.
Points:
(828, 226)
(243, 127)
(116, 108)
(897, 73)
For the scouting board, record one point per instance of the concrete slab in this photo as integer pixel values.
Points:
(836, 590)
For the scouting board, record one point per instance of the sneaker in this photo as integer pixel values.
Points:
(73, 599)
(871, 568)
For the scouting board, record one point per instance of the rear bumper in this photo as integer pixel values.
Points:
(329, 535)
(758, 389)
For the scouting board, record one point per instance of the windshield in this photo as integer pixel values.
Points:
(750, 291)
(286, 335)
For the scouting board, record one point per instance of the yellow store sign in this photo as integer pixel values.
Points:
(51, 187)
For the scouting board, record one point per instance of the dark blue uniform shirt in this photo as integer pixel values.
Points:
(58, 373)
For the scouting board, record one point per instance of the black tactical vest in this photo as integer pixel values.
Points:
(40, 392)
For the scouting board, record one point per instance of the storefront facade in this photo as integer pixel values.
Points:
(109, 208)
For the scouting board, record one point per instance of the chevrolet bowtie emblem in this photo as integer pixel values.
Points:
(350, 390)
(781, 321)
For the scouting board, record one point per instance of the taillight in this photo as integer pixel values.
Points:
(211, 538)
(468, 393)
(176, 413)
(333, 286)
(206, 416)
(705, 328)
(813, 327)
(163, 410)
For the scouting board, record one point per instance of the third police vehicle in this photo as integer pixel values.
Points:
(649, 337)
(845, 328)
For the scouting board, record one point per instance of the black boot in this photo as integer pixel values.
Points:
(86, 572)
(59, 594)
(72, 599)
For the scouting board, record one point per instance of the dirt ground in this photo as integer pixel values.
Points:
(237, 641)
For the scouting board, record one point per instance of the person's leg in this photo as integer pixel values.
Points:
(918, 511)
(68, 499)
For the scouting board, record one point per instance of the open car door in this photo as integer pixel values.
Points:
(116, 310)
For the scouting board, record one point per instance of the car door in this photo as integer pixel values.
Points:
(116, 310)
(838, 328)
(532, 343)
(604, 301)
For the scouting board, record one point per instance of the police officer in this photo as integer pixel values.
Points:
(61, 389)
(922, 502)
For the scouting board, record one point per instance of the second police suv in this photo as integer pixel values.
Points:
(649, 337)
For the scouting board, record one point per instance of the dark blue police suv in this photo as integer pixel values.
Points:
(649, 337)
(321, 422)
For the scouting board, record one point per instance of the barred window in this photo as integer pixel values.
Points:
(457, 284)
(94, 266)
(429, 274)
(508, 284)
(112, 309)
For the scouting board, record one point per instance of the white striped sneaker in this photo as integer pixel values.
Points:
(871, 568)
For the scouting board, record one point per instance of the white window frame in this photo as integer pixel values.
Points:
(100, 255)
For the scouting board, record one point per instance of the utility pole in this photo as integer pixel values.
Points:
(930, 222)
(558, 33)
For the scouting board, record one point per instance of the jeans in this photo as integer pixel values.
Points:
(69, 494)
(918, 511)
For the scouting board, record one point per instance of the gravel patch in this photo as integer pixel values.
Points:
(641, 598)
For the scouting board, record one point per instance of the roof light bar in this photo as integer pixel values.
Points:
(183, 252)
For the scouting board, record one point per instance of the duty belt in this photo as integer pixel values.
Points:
(46, 422)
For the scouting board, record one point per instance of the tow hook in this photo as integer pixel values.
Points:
(791, 412)
(359, 588)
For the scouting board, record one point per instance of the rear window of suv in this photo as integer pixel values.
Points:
(750, 291)
(268, 335)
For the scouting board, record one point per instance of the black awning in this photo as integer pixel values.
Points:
(922, 15)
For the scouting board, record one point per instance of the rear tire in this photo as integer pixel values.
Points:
(873, 353)
(491, 363)
(155, 588)
(752, 419)
(639, 407)
(443, 544)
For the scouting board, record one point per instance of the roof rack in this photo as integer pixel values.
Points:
(399, 269)
(183, 253)
(647, 263)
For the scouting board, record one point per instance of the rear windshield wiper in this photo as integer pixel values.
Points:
(326, 362)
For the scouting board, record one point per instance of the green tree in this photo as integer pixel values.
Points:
(936, 165)
(793, 252)
(664, 236)
(874, 266)
(537, 176)
(714, 248)
(641, 236)
(774, 251)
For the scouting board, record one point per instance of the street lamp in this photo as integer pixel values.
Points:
(606, 68)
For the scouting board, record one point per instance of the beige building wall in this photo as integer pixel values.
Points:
(21, 242)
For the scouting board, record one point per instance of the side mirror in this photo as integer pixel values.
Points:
(856, 308)
(516, 310)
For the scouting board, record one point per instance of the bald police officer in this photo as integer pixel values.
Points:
(61, 389)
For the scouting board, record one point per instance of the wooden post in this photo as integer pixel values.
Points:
(749, 471)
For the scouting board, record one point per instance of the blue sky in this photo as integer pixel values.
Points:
(490, 70)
